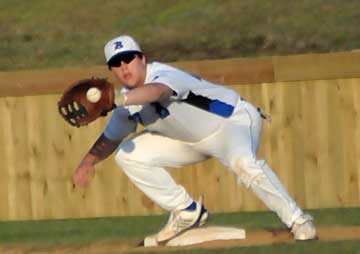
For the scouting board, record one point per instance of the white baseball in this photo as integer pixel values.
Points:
(93, 94)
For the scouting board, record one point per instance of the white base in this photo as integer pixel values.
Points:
(199, 235)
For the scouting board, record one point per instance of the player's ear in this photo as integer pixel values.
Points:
(143, 58)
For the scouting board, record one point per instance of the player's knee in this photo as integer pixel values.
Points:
(247, 169)
(121, 158)
(131, 159)
(124, 154)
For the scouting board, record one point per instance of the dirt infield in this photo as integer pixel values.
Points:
(333, 233)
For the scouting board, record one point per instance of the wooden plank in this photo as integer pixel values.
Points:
(298, 139)
(312, 176)
(7, 158)
(19, 183)
(232, 71)
(35, 153)
(295, 124)
(329, 159)
(355, 172)
(317, 66)
(6, 153)
(42, 82)
(349, 124)
(226, 71)
(288, 135)
(275, 108)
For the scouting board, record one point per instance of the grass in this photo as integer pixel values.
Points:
(50, 233)
(40, 34)
(344, 247)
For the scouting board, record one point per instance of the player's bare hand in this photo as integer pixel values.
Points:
(83, 174)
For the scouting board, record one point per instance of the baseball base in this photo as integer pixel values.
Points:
(200, 235)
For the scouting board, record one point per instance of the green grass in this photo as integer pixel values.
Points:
(344, 247)
(130, 230)
(39, 34)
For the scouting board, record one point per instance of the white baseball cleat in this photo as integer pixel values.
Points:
(303, 228)
(181, 220)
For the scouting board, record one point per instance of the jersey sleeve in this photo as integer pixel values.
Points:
(178, 81)
(119, 125)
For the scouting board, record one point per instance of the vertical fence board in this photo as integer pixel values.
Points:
(355, 172)
(5, 153)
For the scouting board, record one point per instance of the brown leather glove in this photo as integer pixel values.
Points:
(77, 110)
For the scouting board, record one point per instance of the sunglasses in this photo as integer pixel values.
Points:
(126, 58)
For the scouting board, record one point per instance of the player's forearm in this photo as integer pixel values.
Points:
(102, 148)
(147, 94)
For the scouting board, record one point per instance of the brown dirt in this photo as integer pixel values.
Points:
(333, 233)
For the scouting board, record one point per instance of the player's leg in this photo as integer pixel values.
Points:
(242, 134)
(143, 158)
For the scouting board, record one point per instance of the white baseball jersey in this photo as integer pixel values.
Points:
(195, 111)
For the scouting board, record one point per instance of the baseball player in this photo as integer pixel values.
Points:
(186, 119)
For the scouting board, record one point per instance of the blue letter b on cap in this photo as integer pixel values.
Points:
(118, 45)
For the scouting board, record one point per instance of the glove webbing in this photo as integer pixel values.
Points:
(73, 113)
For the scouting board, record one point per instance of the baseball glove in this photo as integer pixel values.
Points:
(75, 107)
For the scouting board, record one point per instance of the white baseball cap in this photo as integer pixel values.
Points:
(120, 45)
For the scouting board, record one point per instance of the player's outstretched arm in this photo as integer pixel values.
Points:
(102, 148)
(145, 94)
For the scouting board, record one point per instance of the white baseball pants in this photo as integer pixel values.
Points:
(145, 156)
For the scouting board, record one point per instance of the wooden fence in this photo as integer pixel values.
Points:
(312, 141)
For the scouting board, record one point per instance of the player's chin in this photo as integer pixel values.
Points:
(131, 83)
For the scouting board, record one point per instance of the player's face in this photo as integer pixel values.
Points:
(129, 69)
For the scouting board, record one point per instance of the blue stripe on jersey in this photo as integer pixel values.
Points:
(221, 108)
(214, 106)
